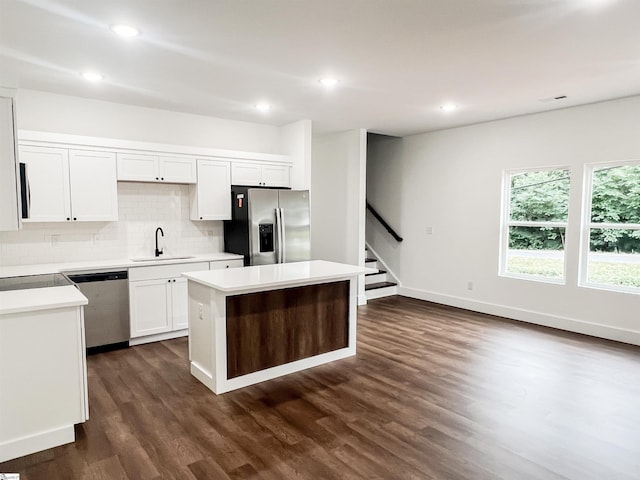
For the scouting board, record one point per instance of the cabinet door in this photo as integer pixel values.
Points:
(141, 168)
(211, 199)
(177, 169)
(150, 307)
(94, 191)
(180, 303)
(48, 173)
(276, 176)
(246, 174)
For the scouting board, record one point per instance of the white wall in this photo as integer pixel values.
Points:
(142, 207)
(451, 181)
(296, 142)
(47, 112)
(338, 179)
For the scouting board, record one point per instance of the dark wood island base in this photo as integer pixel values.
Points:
(257, 323)
(267, 329)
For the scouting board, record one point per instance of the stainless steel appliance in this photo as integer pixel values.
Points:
(106, 317)
(268, 225)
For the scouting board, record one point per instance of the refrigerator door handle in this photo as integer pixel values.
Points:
(278, 234)
(25, 191)
(283, 240)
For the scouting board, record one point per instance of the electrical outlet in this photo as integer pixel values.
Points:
(55, 238)
(200, 314)
(469, 285)
(210, 234)
(428, 230)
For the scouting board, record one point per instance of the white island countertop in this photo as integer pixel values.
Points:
(281, 275)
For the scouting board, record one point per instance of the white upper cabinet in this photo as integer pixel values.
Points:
(211, 196)
(93, 186)
(259, 174)
(9, 193)
(156, 168)
(69, 185)
(47, 183)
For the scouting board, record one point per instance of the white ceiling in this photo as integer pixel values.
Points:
(397, 60)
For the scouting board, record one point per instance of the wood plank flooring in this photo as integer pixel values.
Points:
(433, 393)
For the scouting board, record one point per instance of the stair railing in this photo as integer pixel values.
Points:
(391, 231)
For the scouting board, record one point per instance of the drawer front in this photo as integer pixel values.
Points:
(220, 264)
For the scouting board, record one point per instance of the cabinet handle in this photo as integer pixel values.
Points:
(162, 178)
(227, 266)
(169, 281)
(200, 218)
(75, 218)
(174, 280)
(157, 178)
(68, 218)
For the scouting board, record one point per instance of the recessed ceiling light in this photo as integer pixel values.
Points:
(92, 76)
(449, 107)
(126, 31)
(263, 107)
(328, 82)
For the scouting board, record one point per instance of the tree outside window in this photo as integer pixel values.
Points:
(535, 224)
(611, 247)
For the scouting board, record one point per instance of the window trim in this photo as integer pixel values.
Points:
(587, 225)
(506, 222)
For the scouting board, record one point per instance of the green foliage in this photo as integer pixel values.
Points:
(544, 197)
(539, 197)
(616, 199)
(607, 273)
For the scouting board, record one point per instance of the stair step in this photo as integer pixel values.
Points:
(376, 273)
(374, 286)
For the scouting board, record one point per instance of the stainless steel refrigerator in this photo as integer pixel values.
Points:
(268, 225)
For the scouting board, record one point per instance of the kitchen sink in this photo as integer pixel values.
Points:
(161, 259)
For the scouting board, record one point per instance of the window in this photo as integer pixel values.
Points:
(536, 206)
(611, 243)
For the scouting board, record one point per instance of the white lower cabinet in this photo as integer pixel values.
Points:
(158, 301)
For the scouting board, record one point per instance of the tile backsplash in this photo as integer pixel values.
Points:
(142, 207)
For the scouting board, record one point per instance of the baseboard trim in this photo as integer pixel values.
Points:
(537, 318)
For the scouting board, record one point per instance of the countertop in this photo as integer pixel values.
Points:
(279, 275)
(17, 301)
(102, 265)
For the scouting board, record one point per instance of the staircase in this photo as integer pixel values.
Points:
(380, 284)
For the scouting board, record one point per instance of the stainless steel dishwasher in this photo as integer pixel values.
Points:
(106, 317)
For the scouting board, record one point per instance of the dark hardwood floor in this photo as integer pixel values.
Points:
(433, 393)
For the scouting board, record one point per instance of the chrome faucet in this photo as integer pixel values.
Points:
(158, 251)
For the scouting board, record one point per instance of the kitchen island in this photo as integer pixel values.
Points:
(252, 324)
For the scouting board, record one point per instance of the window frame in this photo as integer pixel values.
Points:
(506, 223)
(587, 225)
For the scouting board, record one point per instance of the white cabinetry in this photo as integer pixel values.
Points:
(70, 185)
(9, 193)
(43, 378)
(260, 174)
(156, 168)
(158, 300)
(211, 196)
(220, 264)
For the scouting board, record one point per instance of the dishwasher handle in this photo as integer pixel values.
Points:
(98, 277)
